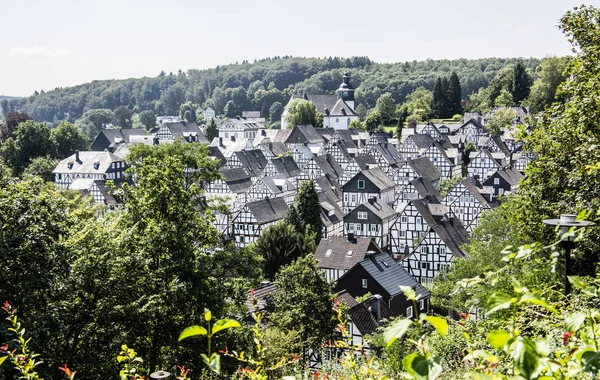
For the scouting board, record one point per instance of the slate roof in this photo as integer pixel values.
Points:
(275, 148)
(365, 162)
(425, 188)
(268, 210)
(510, 175)
(333, 252)
(321, 102)
(286, 166)
(389, 152)
(331, 213)
(117, 136)
(85, 164)
(422, 141)
(237, 180)
(379, 178)
(261, 293)
(501, 145)
(216, 153)
(361, 314)
(425, 168)
(108, 192)
(185, 130)
(381, 210)
(329, 166)
(304, 134)
(470, 185)
(341, 109)
(390, 275)
(330, 186)
(253, 161)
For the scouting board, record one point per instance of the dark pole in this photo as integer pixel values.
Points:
(568, 246)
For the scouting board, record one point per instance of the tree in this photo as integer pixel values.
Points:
(357, 124)
(29, 141)
(187, 111)
(123, 117)
(402, 116)
(211, 130)
(42, 167)
(302, 112)
(279, 245)
(303, 303)
(361, 111)
(386, 107)
(99, 117)
(454, 95)
(67, 139)
(309, 209)
(502, 81)
(502, 118)
(521, 83)
(11, 122)
(549, 76)
(438, 100)
(275, 112)
(373, 121)
(504, 99)
(148, 119)
(419, 103)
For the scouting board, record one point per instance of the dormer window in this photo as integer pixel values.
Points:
(328, 253)
(96, 165)
(70, 165)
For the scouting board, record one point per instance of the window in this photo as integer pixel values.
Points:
(423, 265)
(496, 181)
(404, 219)
(362, 215)
(353, 198)
(402, 233)
(409, 312)
(364, 283)
(422, 305)
(361, 184)
(418, 220)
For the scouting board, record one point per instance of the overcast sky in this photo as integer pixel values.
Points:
(50, 43)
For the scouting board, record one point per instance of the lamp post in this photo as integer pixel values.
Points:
(159, 375)
(565, 223)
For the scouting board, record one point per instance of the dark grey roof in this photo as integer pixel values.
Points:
(268, 210)
(86, 163)
(116, 136)
(421, 141)
(389, 152)
(390, 275)
(510, 175)
(237, 180)
(321, 102)
(186, 130)
(282, 135)
(379, 178)
(423, 167)
(346, 135)
(214, 151)
(380, 210)
(275, 148)
(260, 294)
(361, 314)
(330, 186)
(286, 166)
(501, 145)
(365, 162)
(328, 165)
(341, 109)
(304, 134)
(108, 192)
(253, 161)
(425, 188)
(471, 185)
(331, 213)
(337, 252)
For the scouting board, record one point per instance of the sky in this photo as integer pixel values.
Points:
(59, 43)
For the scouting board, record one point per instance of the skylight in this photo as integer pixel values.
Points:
(349, 253)
(328, 253)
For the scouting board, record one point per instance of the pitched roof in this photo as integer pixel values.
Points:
(336, 252)
(253, 161)
(425, 188)
(186, 130)
(422, 141)
(286, 166)
(88, 163)
(118, 136)
(328, 165)
(216, 153)
(260, 294)
(425, 168)
(379, 178)
(365, 162)
(341, 109)
(268, 210)
(361, 314)
(390, 275)
(381, 210)
(304, 134)
(237, 180)
(321, 102)
(330, 186)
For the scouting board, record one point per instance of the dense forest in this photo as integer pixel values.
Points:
(229, 89)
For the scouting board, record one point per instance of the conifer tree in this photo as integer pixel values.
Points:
(521, 83)
(454, 96)
(211, 130)
(437, 104)
(309, 209)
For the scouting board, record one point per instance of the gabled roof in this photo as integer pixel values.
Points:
(253, 161)
(260, 294)
(328, 165)
(336, 252)
(88, 163)
(216, 153)
(421, 141)
(331, 213)
(330, 186)
(321, 102)
(471, 185)
(268, 210)
(286, 166)
(365, 162)
(341, 109)
(425, 188)
(388, 152)
(381, 210)
(237, 180)
(510, 175)
(304, 134)
(423, 167)
(390, 275)
(361, 314)
(378, 178)
(186, 130)
(501, 145)
(275, 148)
(118, 136)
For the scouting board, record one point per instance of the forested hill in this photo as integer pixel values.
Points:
(256, 86)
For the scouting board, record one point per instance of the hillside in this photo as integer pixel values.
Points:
(235, 87)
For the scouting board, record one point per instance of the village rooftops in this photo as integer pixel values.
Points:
(87, 163)
(338, 252)
(268, 210)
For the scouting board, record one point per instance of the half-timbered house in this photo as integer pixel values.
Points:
(319, 166)
(482, 164)
(255, 217)
(110, 139)
(445, 160)
(467, 203)
(338, 254)
(504, 181)
(190, 132)
(88, 165)
(412, 223)
(472, 130)
(252, 161)
(355, 165)
(372, 220)
(367, 184)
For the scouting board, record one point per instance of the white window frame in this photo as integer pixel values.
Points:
(365, 283)
(361, 182)
(409, 312)
(363, 215)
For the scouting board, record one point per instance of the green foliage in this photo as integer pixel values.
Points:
(418, 104)
(30, 140)
(504, 99)
(67, 139)
(521, 83)
(275, 112)
(148, 119)
(302, 303)
(42, 167)
(447, 184)
(357, 124)
(373, 121)
(302, 112)
(386, 107)
(211, 131)
(309, 209)
(187, 111)
(501, 119)
(549, 76)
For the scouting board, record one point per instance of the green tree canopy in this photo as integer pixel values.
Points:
(30, 140)
(148, 118)
(549, 76)
(302, 112)
(211, 130)
(521, 82)
(386, 107)
(309, 209)
(67, 139)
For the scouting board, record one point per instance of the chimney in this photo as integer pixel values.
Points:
(351, 237)
(77, 157)
(372, 200)
(220, 141)
(376, 307)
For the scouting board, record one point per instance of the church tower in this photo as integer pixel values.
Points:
(346, 91)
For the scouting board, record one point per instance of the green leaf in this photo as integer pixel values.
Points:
(192, 331)
(574, 321)
(498, 339)
(440, 324)
(422, 367)
(214, 362)
(2, 359)
(499, 301)
(409, 292)
(223, 324)
(396, 330)
(525, 356)
(534, 299)
(580, 284)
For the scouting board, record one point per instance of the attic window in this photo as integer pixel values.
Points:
(385, 264)
(361, 184)
(70, 165)
(349, 253)
(96, 165)
(328, 253)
